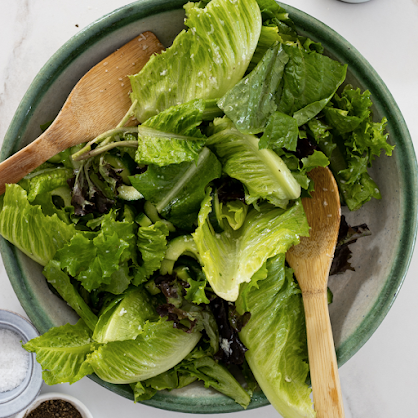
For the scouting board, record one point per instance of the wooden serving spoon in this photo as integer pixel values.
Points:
(97, 103)
(311, 261)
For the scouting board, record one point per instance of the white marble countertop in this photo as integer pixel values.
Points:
(381, 380)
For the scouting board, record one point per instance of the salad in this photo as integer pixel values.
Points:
(168, 238)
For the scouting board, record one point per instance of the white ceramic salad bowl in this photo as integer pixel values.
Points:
(361, 297)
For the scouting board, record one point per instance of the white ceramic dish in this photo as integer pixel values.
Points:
(85, 413)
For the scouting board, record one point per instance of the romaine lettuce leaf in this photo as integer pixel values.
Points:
(269, 36)
(177, 137)
(232, 257)
(62, 284)
(177, 189)
(204, 62)
(234, 212)
(281, 132)
(252, 100)
(215, 375)
(169, 380)
(310, 81)
(198, 365)
(126, 319)
(157, 349)
(62, 353)
(47, 180)
(276, 340)
(262, 171)
(25, 226)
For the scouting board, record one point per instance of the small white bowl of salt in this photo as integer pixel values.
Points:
(20, 374)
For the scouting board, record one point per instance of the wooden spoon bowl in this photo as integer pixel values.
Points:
(97, 103)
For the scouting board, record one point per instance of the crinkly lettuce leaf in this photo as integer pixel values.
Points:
(178, 189)
(251, 101)
(232, 257)
(87, 257)
(204, 62)
(270, 9)
(262, 171)
(351, 108)
(62, 284)
(152, 244)
(126, 319)
(37, 235)
(62, 353)
(275, 337)
(125, 230)
(351, 140)
(92, 262)
(300, 167)
(310, 81)
(157, 349)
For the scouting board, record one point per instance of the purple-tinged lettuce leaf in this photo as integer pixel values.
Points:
(347, 235)
(230, 323)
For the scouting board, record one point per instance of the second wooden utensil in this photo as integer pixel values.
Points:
(311, 262)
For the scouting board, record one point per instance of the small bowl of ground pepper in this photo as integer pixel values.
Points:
(56, 405)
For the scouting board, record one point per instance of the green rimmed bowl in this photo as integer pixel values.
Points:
(361, 298)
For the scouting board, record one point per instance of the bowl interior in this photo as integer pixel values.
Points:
(361, 298)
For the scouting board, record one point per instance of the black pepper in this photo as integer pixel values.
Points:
(54, 408)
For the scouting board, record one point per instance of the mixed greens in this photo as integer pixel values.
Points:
(168, 239)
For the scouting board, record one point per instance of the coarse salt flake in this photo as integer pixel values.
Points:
(14, 360)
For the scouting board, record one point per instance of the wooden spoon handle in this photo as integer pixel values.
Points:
(33, 155)
(322, 358)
